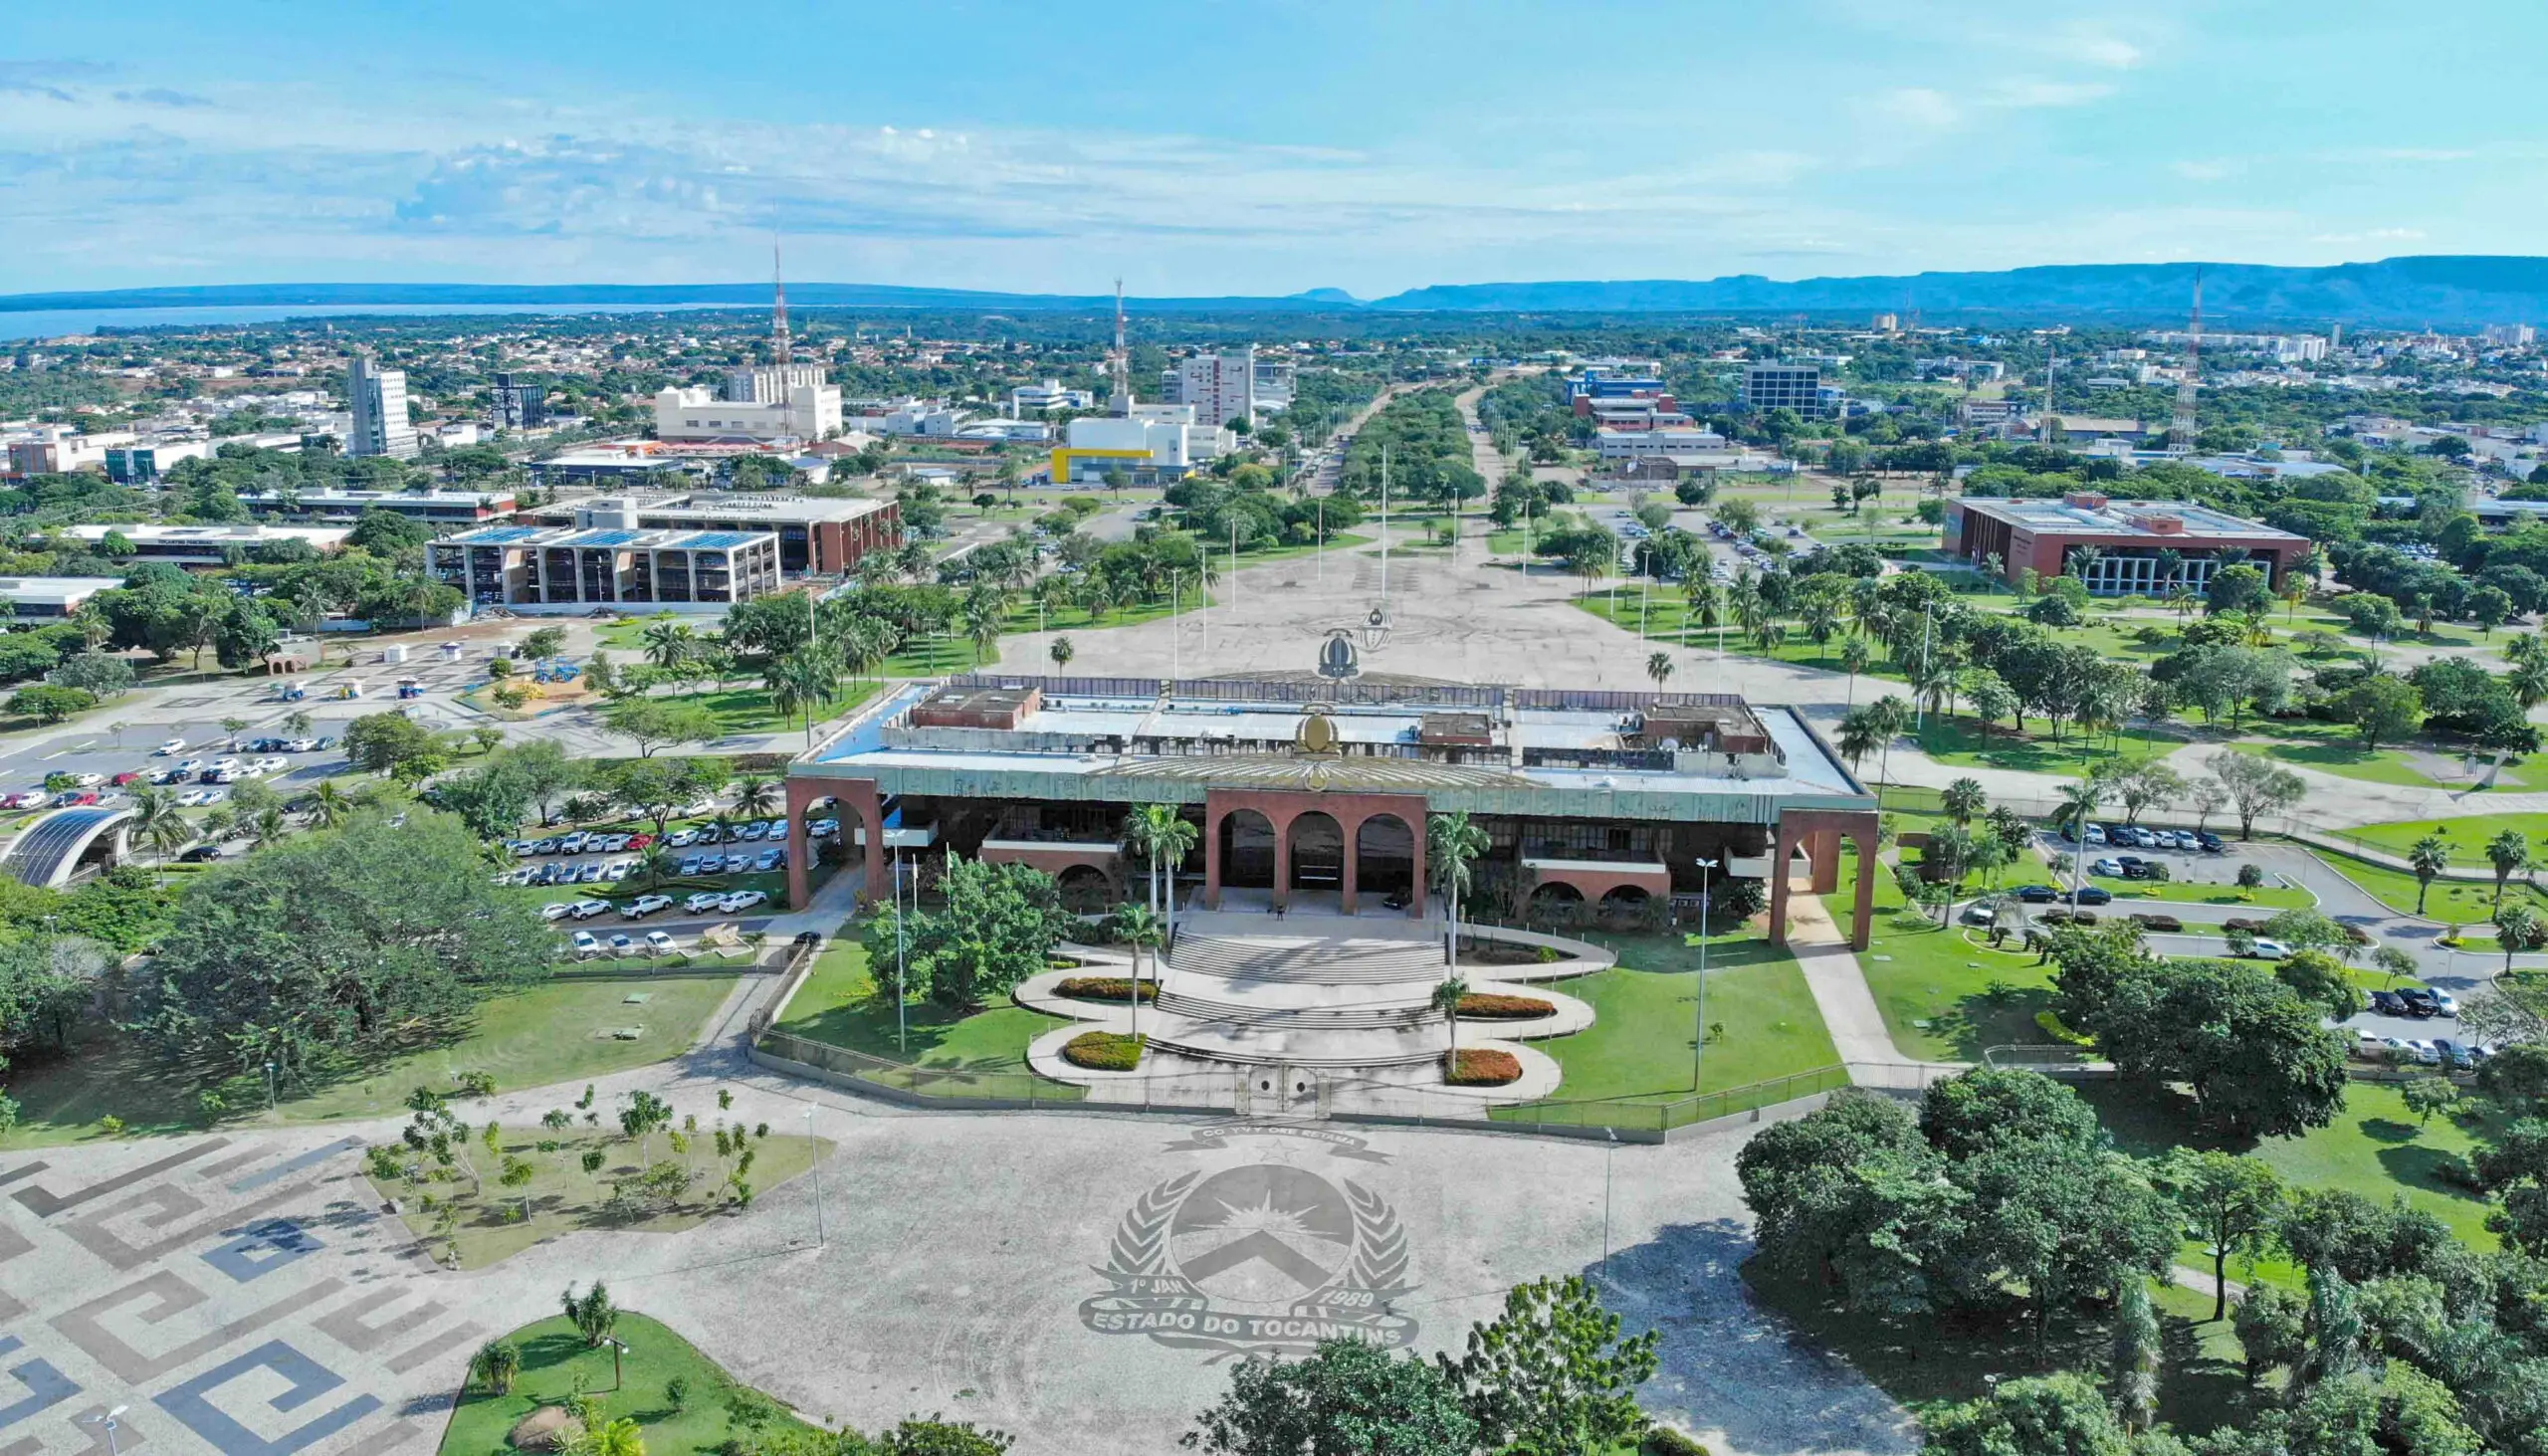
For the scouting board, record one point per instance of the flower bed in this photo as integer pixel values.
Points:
(1483, 1066)
(1107, 1051)
(1483, 1007)
(1102, 989)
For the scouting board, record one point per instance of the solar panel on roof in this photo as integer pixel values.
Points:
(719, 540)
(501, 534)
(605, 538)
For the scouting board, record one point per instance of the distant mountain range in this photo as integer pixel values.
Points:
(2445, 291)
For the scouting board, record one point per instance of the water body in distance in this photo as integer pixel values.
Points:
(53, 324)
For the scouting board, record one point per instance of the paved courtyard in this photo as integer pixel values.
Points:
(1081, 1280)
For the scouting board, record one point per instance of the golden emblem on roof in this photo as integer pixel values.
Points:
(1317, 732)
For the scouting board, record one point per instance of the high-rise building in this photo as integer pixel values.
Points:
(1783, 386)
(1221, 387)
(378, 399)
(771, 383)
(519, 406)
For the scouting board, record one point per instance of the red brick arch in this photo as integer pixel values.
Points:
(1280, 807)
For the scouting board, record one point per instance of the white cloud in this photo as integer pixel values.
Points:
(1919, 105)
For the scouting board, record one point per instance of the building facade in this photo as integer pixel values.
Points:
(211, 546)
(1157, 444)
(1220, 386)
(377, 400)
(435, 507)
(1783, 386)
(519, 406)
(2142, 548)
(1321, 793)
(810, 412)
(816, 536)
(567, 569)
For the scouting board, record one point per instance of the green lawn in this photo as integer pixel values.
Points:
(2466, 836)
(2349, 759)
(1645, 1012)
(2452, 901)
(2374, 1148)
(1945, 994)
(936, 656)
(1961, 742)
(841, 1005)
(558, 1031)
(553, 1356)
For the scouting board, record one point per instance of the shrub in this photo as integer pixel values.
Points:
(2167, 923)
(1666, 1441)
(1483, 1066)
(1549, 956)
(1104, 1051)
(1484, 1007)
(2456, 1170)
(2236, 923)
(2251, 876)
(2083, 917)
(2055, 916)
(1102, 989)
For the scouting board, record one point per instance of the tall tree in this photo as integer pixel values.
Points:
(1346, 1397)
(1553, 1372)
(2232, 1201)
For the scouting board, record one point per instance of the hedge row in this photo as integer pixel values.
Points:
(1104, 1051)
(1103, 988)
(2068, 918)
(1483, 1066)
(2158, 921)
(1479, 1006)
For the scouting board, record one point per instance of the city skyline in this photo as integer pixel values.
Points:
(1205, 151)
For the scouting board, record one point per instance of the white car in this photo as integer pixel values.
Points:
(87, 780)
(274, 764)
(680, 838)
(300, 745)
(572, 843)
(172, 748)
(646, 904)
(705, 900)
(619, 870)
(742, 900)
(586, 946)
(659, 944)
(584, 910)
(2443, 1004)
(192, 766)
(621, 945)
(557, 910)
(2270, 949)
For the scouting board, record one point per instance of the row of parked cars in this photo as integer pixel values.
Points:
(2438, 1052)
(2135, 836)
(2416, 1001)
(586, 944)
(598, 842)
(705, 901)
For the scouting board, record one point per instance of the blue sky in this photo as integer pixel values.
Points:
(1204, 148)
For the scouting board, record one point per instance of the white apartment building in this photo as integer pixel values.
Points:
(769, 383)
(55, 450)
(1156, 442)
(810, 412)
(377, 400)
(1219, 387)
(2511, 336)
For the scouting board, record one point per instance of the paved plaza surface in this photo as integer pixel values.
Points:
(1083, 1280)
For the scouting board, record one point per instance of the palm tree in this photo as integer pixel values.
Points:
(327, 805)
(1447, 999)
(1853, 661)
(803, 681)
(1658, 666)
(1061, 652)
(1452, 844)
(2427, 857)
(165, 838)
(2079, 801)
(1964, 799)
(669, 644)
(1141, 929)
(755, 795)
(1860, 734)
(270, 827)
(2507, 852)
(1167, 837)
(656, 863)
(151, 807)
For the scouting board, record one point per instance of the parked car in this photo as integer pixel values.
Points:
(690, 864)
(27, 799)
(2445, 1005)
(2420, 1002)
(640, 841)
(170, 749)
(572, 843)
(2212, 843)
(753, 830)
(168, 775)
(2092, 894)
(742, 900)
(2269, 950)
(1979, 913)
(822, 827)
(87, 780)
(2109, 867)
(2132, 867)
(659, 944)
(543, 846)
(772, 859)
(646, 904)
(583, 945)
(2037, 894)
(557, 910)
(584, 910)
(2452, 1052)
(2425, 1052)
(705, 900)
(2387, 1003)
(680, 839)
(300, 746)
(201, 854)
(622, 945)
(191, 765)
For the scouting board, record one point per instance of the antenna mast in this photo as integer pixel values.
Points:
(2051, 362)
(1123, 402)
(2182, 430)
(778, 318)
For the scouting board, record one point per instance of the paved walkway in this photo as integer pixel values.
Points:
(1850, 1013)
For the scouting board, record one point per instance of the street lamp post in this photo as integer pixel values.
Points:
(616, 1350)
(1609, 1154)
(270, 1087)
(1699, 1039)
(814, 1170)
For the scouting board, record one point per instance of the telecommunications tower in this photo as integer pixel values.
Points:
(778, 318)
(1121, 405)
(2181, 430)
